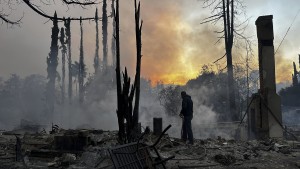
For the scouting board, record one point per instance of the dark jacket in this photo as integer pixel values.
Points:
(187, 106)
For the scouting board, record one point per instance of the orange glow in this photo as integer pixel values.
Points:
(176, 46)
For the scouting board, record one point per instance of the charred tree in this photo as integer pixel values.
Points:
(295, 78)
(75, 73)
(226, 12)
(52, 62)
(127, 108)
(68, 42)
(299, 60)
(120, 113)
(113, 40)
(96, 58)
(138, 32)
(126, 92)
(228, 19)
(63, 60)
(104, 33)
(81, 73)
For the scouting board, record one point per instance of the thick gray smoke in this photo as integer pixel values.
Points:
(21, 99)
(203, 114)
(24, 99)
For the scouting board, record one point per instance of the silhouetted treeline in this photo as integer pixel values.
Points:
(208, 89)
(25, 98)
(290, 96)
(22, 98)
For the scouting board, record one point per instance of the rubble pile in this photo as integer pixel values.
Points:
(88, 149)
(78, 149)
(221, 153)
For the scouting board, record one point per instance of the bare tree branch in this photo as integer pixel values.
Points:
(219, 58)
(208, 3)
(4, 18)
(76, 2)
(40, 12)
(216, 15)
(222, 37)
(211, 20)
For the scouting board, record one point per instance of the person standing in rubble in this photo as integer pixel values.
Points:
(186, 114)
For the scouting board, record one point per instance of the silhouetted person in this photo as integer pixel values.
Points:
(187, 115)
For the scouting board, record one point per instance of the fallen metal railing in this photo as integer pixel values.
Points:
(137, 155)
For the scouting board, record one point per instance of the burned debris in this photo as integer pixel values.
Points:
(231, 130)
(137, 155)
(100, 149)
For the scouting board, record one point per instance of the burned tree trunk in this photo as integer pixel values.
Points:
(113, 40)
(52, 63)
(228, 18)
(138, 32)
(127, 98)
(126, 92)
(68, 41)
(81, 66)
(96, 59)
(63, 60)
(295, 78)
(225, 10)
(120, 113)
(104, 33)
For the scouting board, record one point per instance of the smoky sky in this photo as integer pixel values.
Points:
(174, 43)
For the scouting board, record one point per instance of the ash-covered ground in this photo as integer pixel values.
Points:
(88, 149)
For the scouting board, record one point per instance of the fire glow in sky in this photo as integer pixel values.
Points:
(174, 44)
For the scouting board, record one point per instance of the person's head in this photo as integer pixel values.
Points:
(183, 94)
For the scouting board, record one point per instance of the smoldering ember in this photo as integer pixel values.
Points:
(138, 84)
